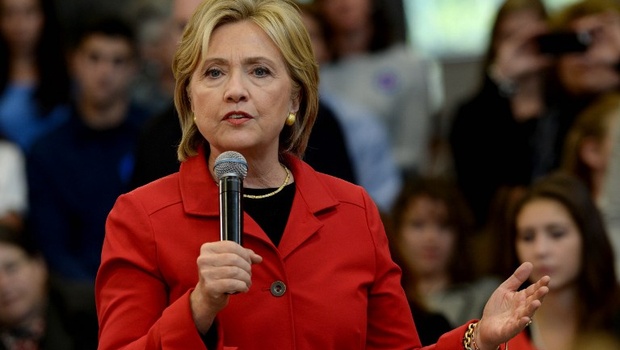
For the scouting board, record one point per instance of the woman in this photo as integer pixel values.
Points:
(509, 101)
(589, 143)
(432, 242)
(591, 153)
(373, 66)
(34, 82)
(315, 270)
(557, 227)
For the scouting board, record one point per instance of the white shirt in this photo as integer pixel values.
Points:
(13, 182)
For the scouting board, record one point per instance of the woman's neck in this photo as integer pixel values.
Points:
(353, 42)
(431, 284)
(555, 323)
(263, 172)
(528, 102)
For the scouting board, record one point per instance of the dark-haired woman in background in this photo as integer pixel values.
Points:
(558, 228)
(34, 82)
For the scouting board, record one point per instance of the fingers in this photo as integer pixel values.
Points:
(534, 295)
(518, 277)
(225, 268)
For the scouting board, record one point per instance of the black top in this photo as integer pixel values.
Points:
(271, 213)
(156, 154)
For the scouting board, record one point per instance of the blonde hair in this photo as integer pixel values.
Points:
(281, 21)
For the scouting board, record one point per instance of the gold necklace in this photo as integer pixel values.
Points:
(288, 176)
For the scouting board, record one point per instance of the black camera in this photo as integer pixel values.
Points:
(558, 43)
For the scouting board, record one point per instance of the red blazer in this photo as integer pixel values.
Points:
(342, 289)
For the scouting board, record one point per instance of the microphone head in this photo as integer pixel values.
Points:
(230, 163)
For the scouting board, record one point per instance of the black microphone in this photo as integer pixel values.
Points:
(231, 168)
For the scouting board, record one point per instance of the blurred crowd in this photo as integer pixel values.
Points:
(528, 169)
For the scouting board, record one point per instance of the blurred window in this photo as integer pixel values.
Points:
(455, 28)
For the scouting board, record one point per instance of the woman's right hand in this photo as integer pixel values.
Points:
(224, 268)
(517, 54)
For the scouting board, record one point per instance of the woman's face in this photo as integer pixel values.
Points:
(241, 92)
(346, 16)
(426, 241)
(548, 237)
(21, 22)
(22, 285)
(518, 22)
(593, 71)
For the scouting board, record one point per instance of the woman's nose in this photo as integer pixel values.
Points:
(236, 90)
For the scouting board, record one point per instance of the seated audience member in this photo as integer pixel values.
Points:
(156, 153)
(77, 171)
(34, 82)
(557, 227)
(365, 135)
(374, 68)
(35, 311)
(430, 236)
(13, 185)
(157, 40)
(429, 325)
(492, 131)
(592, 153)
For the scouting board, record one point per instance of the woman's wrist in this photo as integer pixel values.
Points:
(202, 318)
(471, 340)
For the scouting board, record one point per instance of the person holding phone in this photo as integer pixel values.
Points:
(509, 101)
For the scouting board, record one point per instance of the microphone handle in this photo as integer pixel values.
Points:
(231, 210)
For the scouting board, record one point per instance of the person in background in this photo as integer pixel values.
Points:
(36, 312)
(76, 172)
(373, 67)
(327, 149)
(558, 228)
(589, 143)
(34, 79)
(366, 137)
(491, 136)
(314, 271)
(591, 154)
(157, 40)
(431, 237)
(430, 325)
(156, 154)
(13, 185)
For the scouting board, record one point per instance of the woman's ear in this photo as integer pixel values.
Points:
(591, 153)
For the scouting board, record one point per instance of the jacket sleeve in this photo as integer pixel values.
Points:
(133, 305)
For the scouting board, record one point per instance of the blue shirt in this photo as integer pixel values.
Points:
(20, 118)
(75, 174)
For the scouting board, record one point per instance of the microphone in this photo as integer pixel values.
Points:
(231, 168)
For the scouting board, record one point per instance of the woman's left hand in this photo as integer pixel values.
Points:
(508, 311)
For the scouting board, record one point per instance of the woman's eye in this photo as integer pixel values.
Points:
(557, 233)
(525, 236)
(213, 73)
(261, 71)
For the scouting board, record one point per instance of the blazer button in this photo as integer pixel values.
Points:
(278, 288)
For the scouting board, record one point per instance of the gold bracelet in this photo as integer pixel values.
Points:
(468, 340)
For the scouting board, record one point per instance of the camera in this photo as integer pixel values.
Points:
(558, 43)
